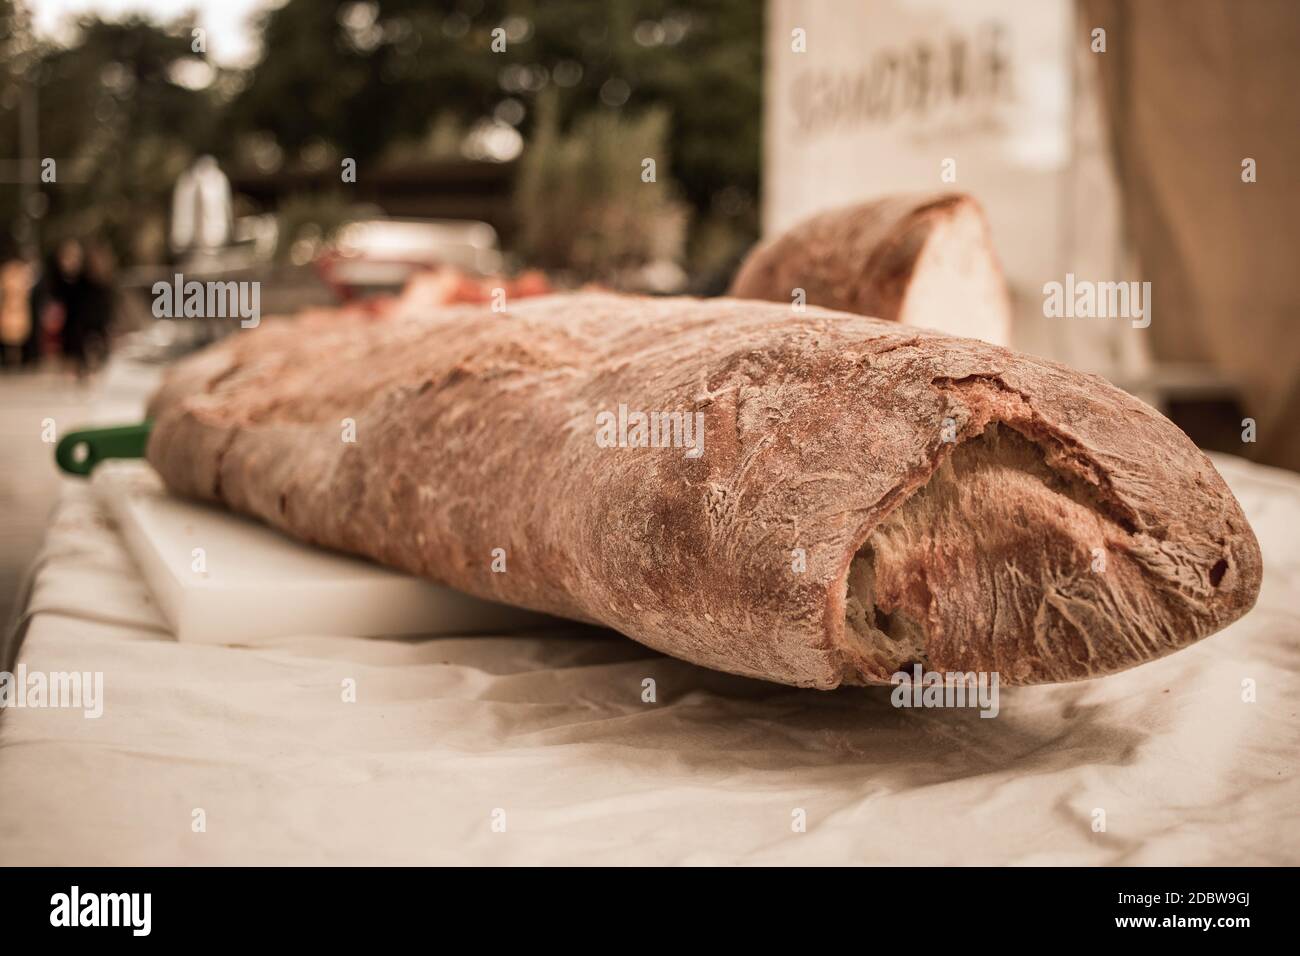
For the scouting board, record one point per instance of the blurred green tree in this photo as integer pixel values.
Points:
(365, 79)
(16, 53)
(118, 113)
(127, 105)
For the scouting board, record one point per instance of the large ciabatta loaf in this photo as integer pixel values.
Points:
(921, 260)
(868, 496)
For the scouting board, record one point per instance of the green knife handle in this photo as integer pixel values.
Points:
(80, 451)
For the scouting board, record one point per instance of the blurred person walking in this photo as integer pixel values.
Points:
(19, 344)
(77, 306)
(99, 300)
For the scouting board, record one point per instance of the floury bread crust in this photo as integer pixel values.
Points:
(949, 502)
(922, 260)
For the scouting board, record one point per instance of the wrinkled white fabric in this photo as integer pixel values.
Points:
(550, 735)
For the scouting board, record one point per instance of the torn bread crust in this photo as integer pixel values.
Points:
(1014, 555)
(476, 431)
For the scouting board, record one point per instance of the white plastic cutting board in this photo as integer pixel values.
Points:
(250, 582)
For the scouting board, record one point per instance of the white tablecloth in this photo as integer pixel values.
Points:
(450, 738)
